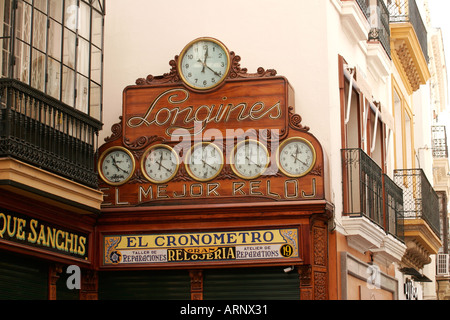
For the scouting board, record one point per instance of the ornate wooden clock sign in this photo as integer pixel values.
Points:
(209, 132)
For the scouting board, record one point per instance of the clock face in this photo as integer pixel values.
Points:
(249, 159)
(296, 157)
(160, 163)
(204, 63)
(204, 161)
(116, 165)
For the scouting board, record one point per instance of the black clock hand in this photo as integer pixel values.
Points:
(205, 163)
(160, 165)
(116, 165)
(258, 165)
(205, 65)
(299, 160)
(204, 62)
(296, 153)
(160, 160)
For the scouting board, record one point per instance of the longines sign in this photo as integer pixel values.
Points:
(175, 145)
(165, 111)
(201, 247)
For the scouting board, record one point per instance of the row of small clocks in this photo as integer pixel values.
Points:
(204, 161)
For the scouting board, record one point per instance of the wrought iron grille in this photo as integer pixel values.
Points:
(379, 20)
(42, 131)
(420, 201)
(364, 5)
(362, 186)
(393, 207)
(407, 11)
(439, 142)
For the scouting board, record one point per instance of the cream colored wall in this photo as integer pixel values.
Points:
(142, 36)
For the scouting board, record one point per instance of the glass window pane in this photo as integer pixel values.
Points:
(54, 40)
(84, 20)
(39, 30)
(5, 27)
(96, 64)
(38, 70)
(95, 101)
(83, 57)
(54, 78)
(41, 5)
(97, 26)
(68, 86)
(22, 65)
(69, 48)
(23, 21)
(4, 56)
(82, 93)
(97, 5)
(55, 10)
(71, 14)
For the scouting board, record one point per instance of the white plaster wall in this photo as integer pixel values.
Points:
(142, 36)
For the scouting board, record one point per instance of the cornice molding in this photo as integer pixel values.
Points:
(408, 56)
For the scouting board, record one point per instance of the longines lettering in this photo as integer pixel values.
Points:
(169, 115)
(290, 189)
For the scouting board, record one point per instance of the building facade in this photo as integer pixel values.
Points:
(50, 117)
(347, 81)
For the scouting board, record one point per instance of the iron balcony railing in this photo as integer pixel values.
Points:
(439, 142)
(393, 199)
(420, 201)
(407, 11)
(44, 132)
(377, 14)
(370, 193)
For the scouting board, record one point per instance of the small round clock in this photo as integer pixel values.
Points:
(204, 63)
(116, 165)
(159, 163)
(249, 159)
(204, 161)
(296, 157)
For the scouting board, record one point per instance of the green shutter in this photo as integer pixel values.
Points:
(250, 284)
(62, 291)
(22, 278)
(144, 285)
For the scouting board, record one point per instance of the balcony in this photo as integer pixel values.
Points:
(370, 193)
(421, 217)
(373, 206)
(409, 43)
(439, 142)
(44, 133)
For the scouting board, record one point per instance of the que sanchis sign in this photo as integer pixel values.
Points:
(201, 247)
(35, 233)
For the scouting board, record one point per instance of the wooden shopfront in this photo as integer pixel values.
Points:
(213, 188)
(41, 237)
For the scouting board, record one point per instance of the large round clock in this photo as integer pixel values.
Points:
(249, 159)
(204, 63)
(296, 157)
(116, 165)
(204, 161)
(159, 163)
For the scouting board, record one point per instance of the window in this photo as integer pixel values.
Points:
(57, 47)
(362, 124)
(404, 146)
